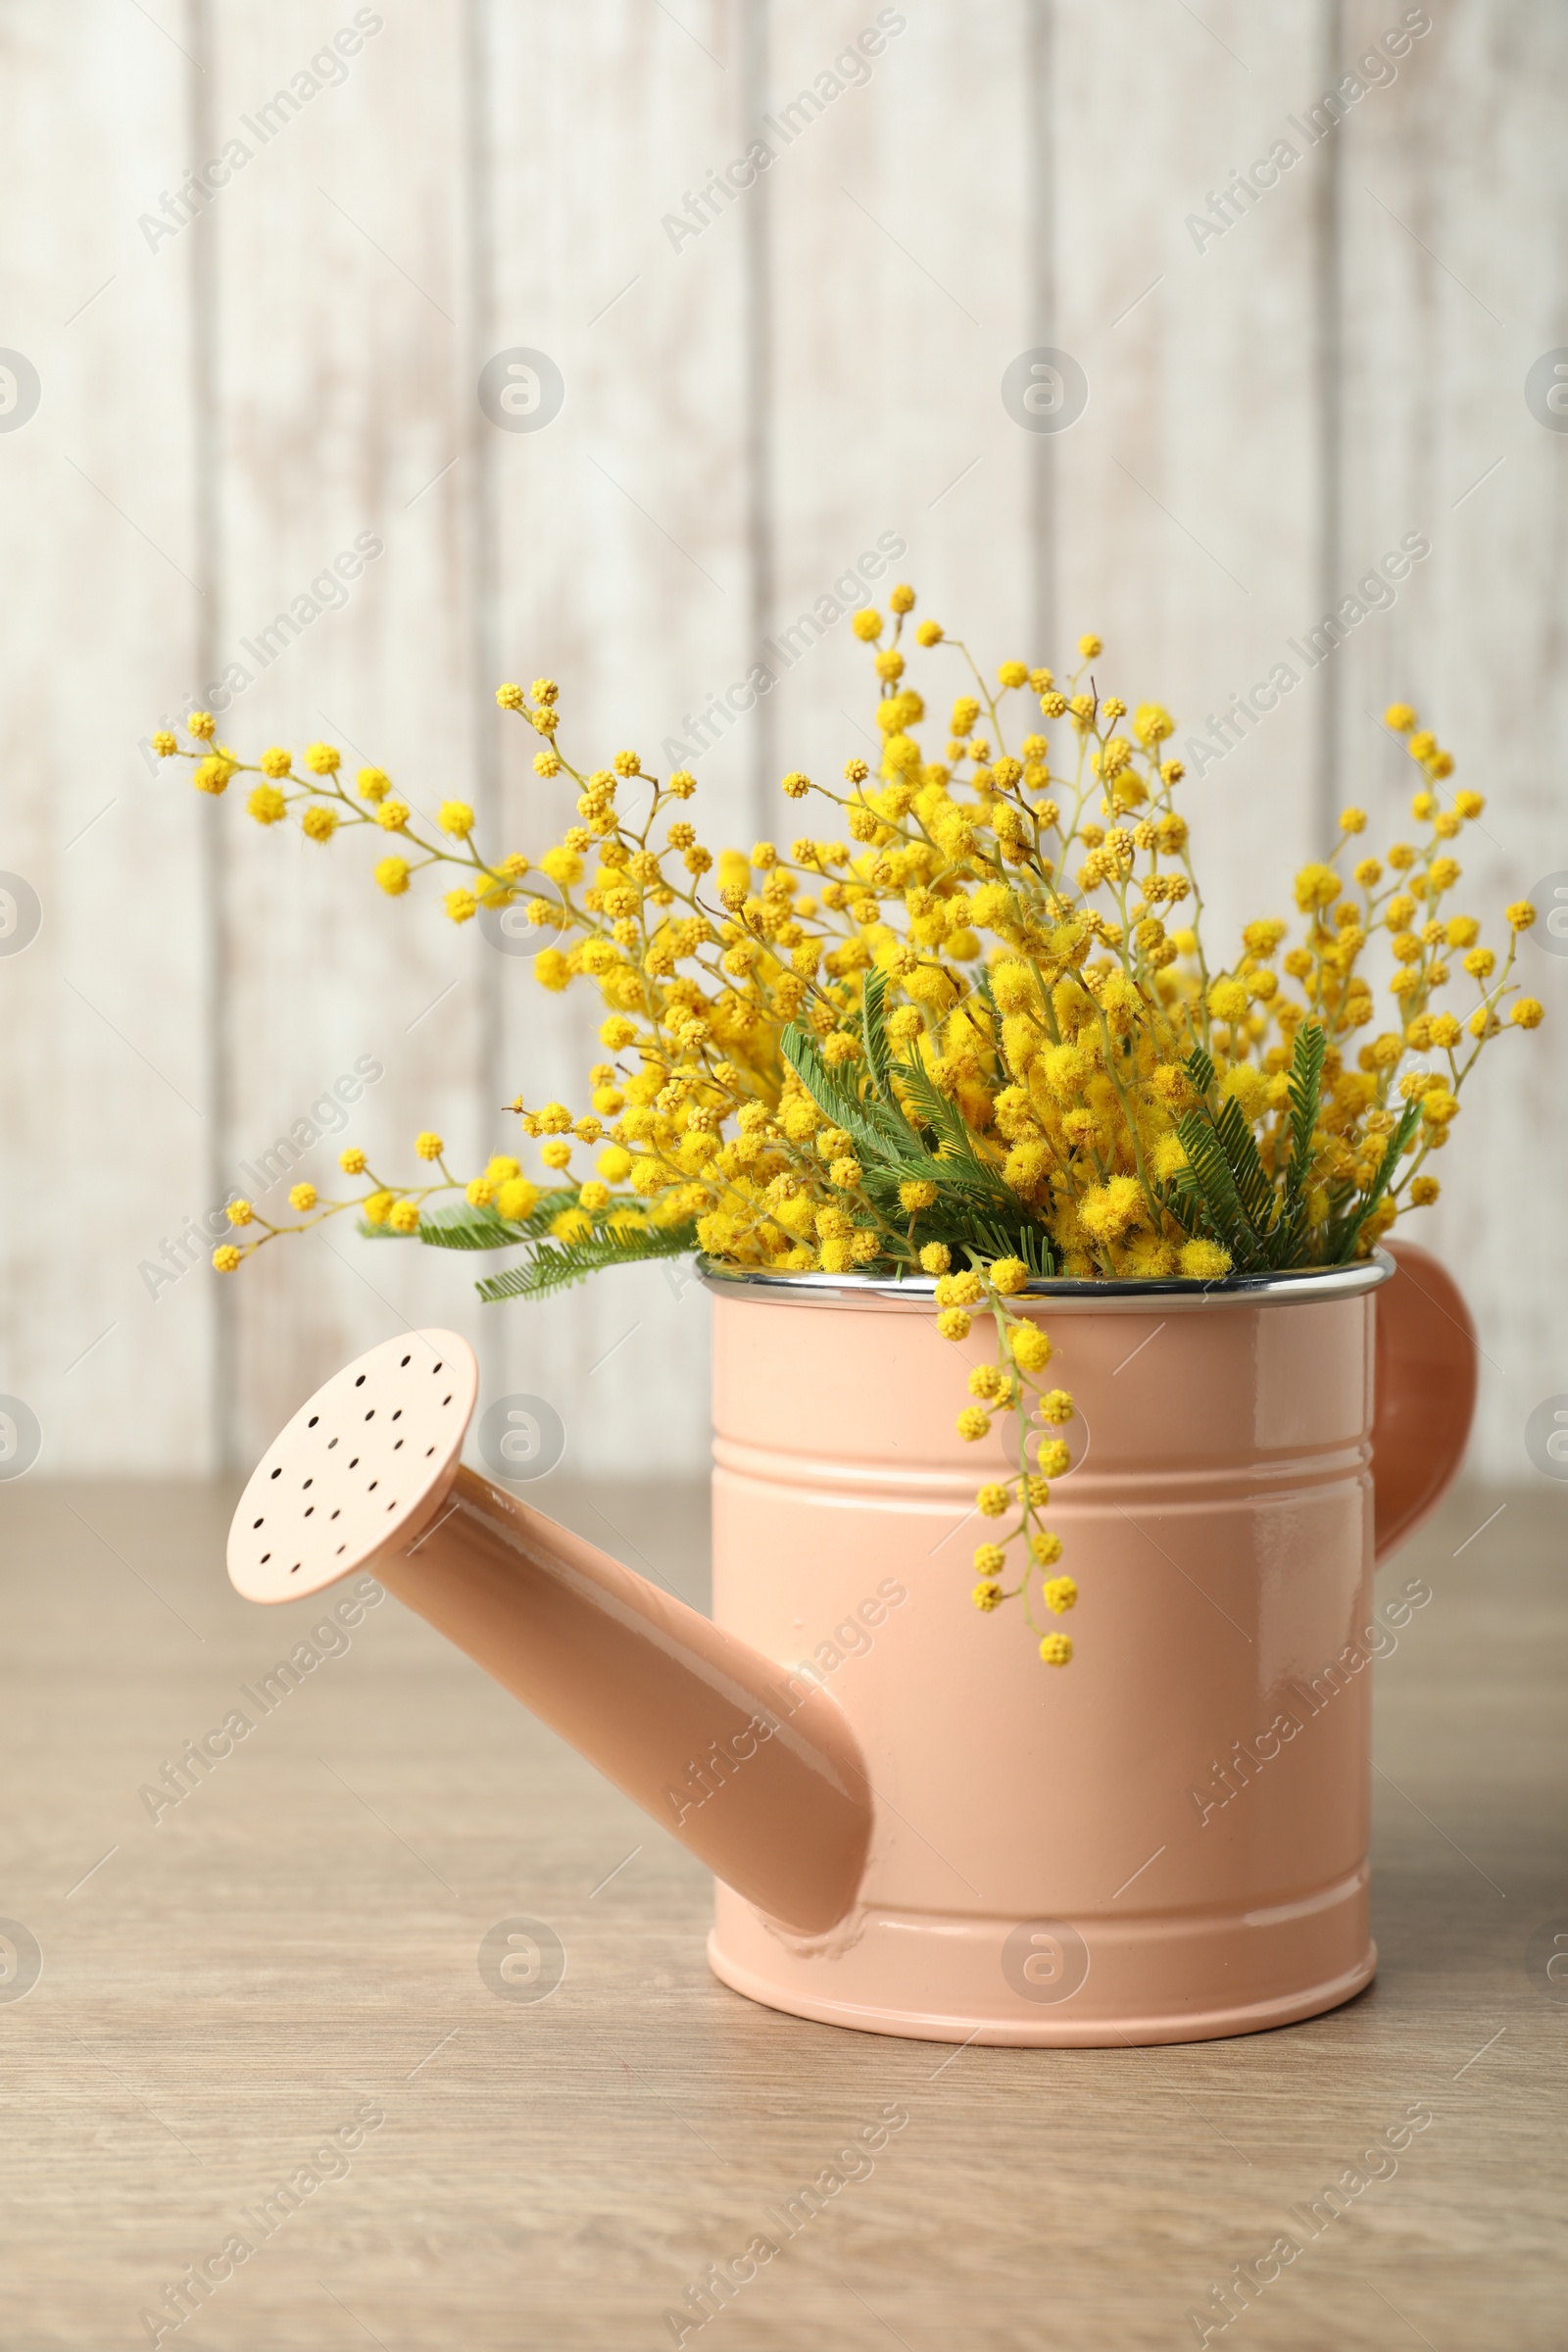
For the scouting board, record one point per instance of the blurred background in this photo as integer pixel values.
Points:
(479, 340)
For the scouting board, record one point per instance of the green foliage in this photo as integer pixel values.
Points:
(922, 1138)
(550, 1264)
(1342, 1239)
(458, 1226)
(1226, 1195)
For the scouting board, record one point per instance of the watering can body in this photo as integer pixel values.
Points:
(917, 1827)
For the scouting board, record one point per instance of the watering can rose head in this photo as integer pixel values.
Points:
(975, 1035)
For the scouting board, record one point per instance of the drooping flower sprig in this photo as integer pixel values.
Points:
(971, 1034)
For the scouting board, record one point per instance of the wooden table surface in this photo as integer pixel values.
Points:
(295, 1945)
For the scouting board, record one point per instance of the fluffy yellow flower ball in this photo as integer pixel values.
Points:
(392, 873)
(302, 1196)
(324, 759)
(226, 1258)
(429, 1146)
(266, 805)
(1031, 1349)
(1057, 1650)
(239, 1212)
(404, 1217)
(351, 1159)
(457, 818)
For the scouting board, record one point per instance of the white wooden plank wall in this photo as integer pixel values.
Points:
(1272, 403)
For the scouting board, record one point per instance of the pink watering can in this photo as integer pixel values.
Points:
(917, 1827)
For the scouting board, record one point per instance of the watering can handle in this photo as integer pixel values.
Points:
(1424, 1391)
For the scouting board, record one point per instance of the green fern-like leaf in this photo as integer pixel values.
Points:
(1380, 1184)
(1253, 1189)
(554, 1265)
(1216, 1183)
(1201, 1070)
(462, 1227)
(873, 1024)
(1305, 1091)
(880, 1134)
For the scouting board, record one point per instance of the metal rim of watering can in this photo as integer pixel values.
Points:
(916, 1294)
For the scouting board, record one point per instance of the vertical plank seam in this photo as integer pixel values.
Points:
(213, 863)
(1330, 392)
(757, 307)
(481, 549)
(1040, 263)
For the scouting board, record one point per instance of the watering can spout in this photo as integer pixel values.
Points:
(753, 1767)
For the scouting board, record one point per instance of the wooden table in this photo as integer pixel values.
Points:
(294, 1944)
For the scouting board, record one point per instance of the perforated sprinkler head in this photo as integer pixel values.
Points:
(358, 1470)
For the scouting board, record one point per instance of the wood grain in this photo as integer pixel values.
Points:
(301, 1933)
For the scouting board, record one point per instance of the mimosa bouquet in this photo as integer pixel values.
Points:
(970, 1037)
